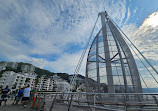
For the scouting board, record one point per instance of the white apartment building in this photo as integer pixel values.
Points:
(17, 80)
(81, 88)
(28, 68)
(52, 83)
(13, 65)
(2, 68)
(45, 84)
(5, 64)
(61, 85)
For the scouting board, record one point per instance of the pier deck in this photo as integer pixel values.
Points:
(11, 107)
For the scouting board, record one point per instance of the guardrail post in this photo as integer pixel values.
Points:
(156, 101)
(53, 103)
(94, 100)
(125, 101)
(70, 103)
(43, 105)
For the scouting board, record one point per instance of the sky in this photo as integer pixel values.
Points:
(52, 34)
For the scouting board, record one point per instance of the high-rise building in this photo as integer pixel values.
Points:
(45, 84)
(17, 80)
(5, 64)
(28, 68)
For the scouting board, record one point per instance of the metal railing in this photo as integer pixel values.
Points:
(49, 101)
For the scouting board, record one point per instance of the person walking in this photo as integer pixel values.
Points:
(26, 95)
(5, 94)
(18, 96)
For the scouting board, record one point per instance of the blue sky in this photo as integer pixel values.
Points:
(51, 34)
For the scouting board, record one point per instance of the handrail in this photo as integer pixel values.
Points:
(102, 101)
(99, 93)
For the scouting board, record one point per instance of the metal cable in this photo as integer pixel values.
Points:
(142, 63)
(137, 54)
(135, 47)
(145, 84)
(73, 80)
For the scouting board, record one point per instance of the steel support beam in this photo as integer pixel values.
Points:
(121, 60)
(111, 88)
(97, 65)
(130, 59)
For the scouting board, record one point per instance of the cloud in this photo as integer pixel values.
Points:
(135, 10)
(151, 20)
(40, 17)
(38, 62)
(128, 15)
(66, 63)
(48, 28)
(60, 23)
(145, 38)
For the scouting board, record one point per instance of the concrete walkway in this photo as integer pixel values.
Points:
(11, 107)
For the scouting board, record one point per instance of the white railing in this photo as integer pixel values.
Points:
(94, 101)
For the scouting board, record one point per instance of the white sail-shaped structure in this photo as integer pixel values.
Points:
(111, 67)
